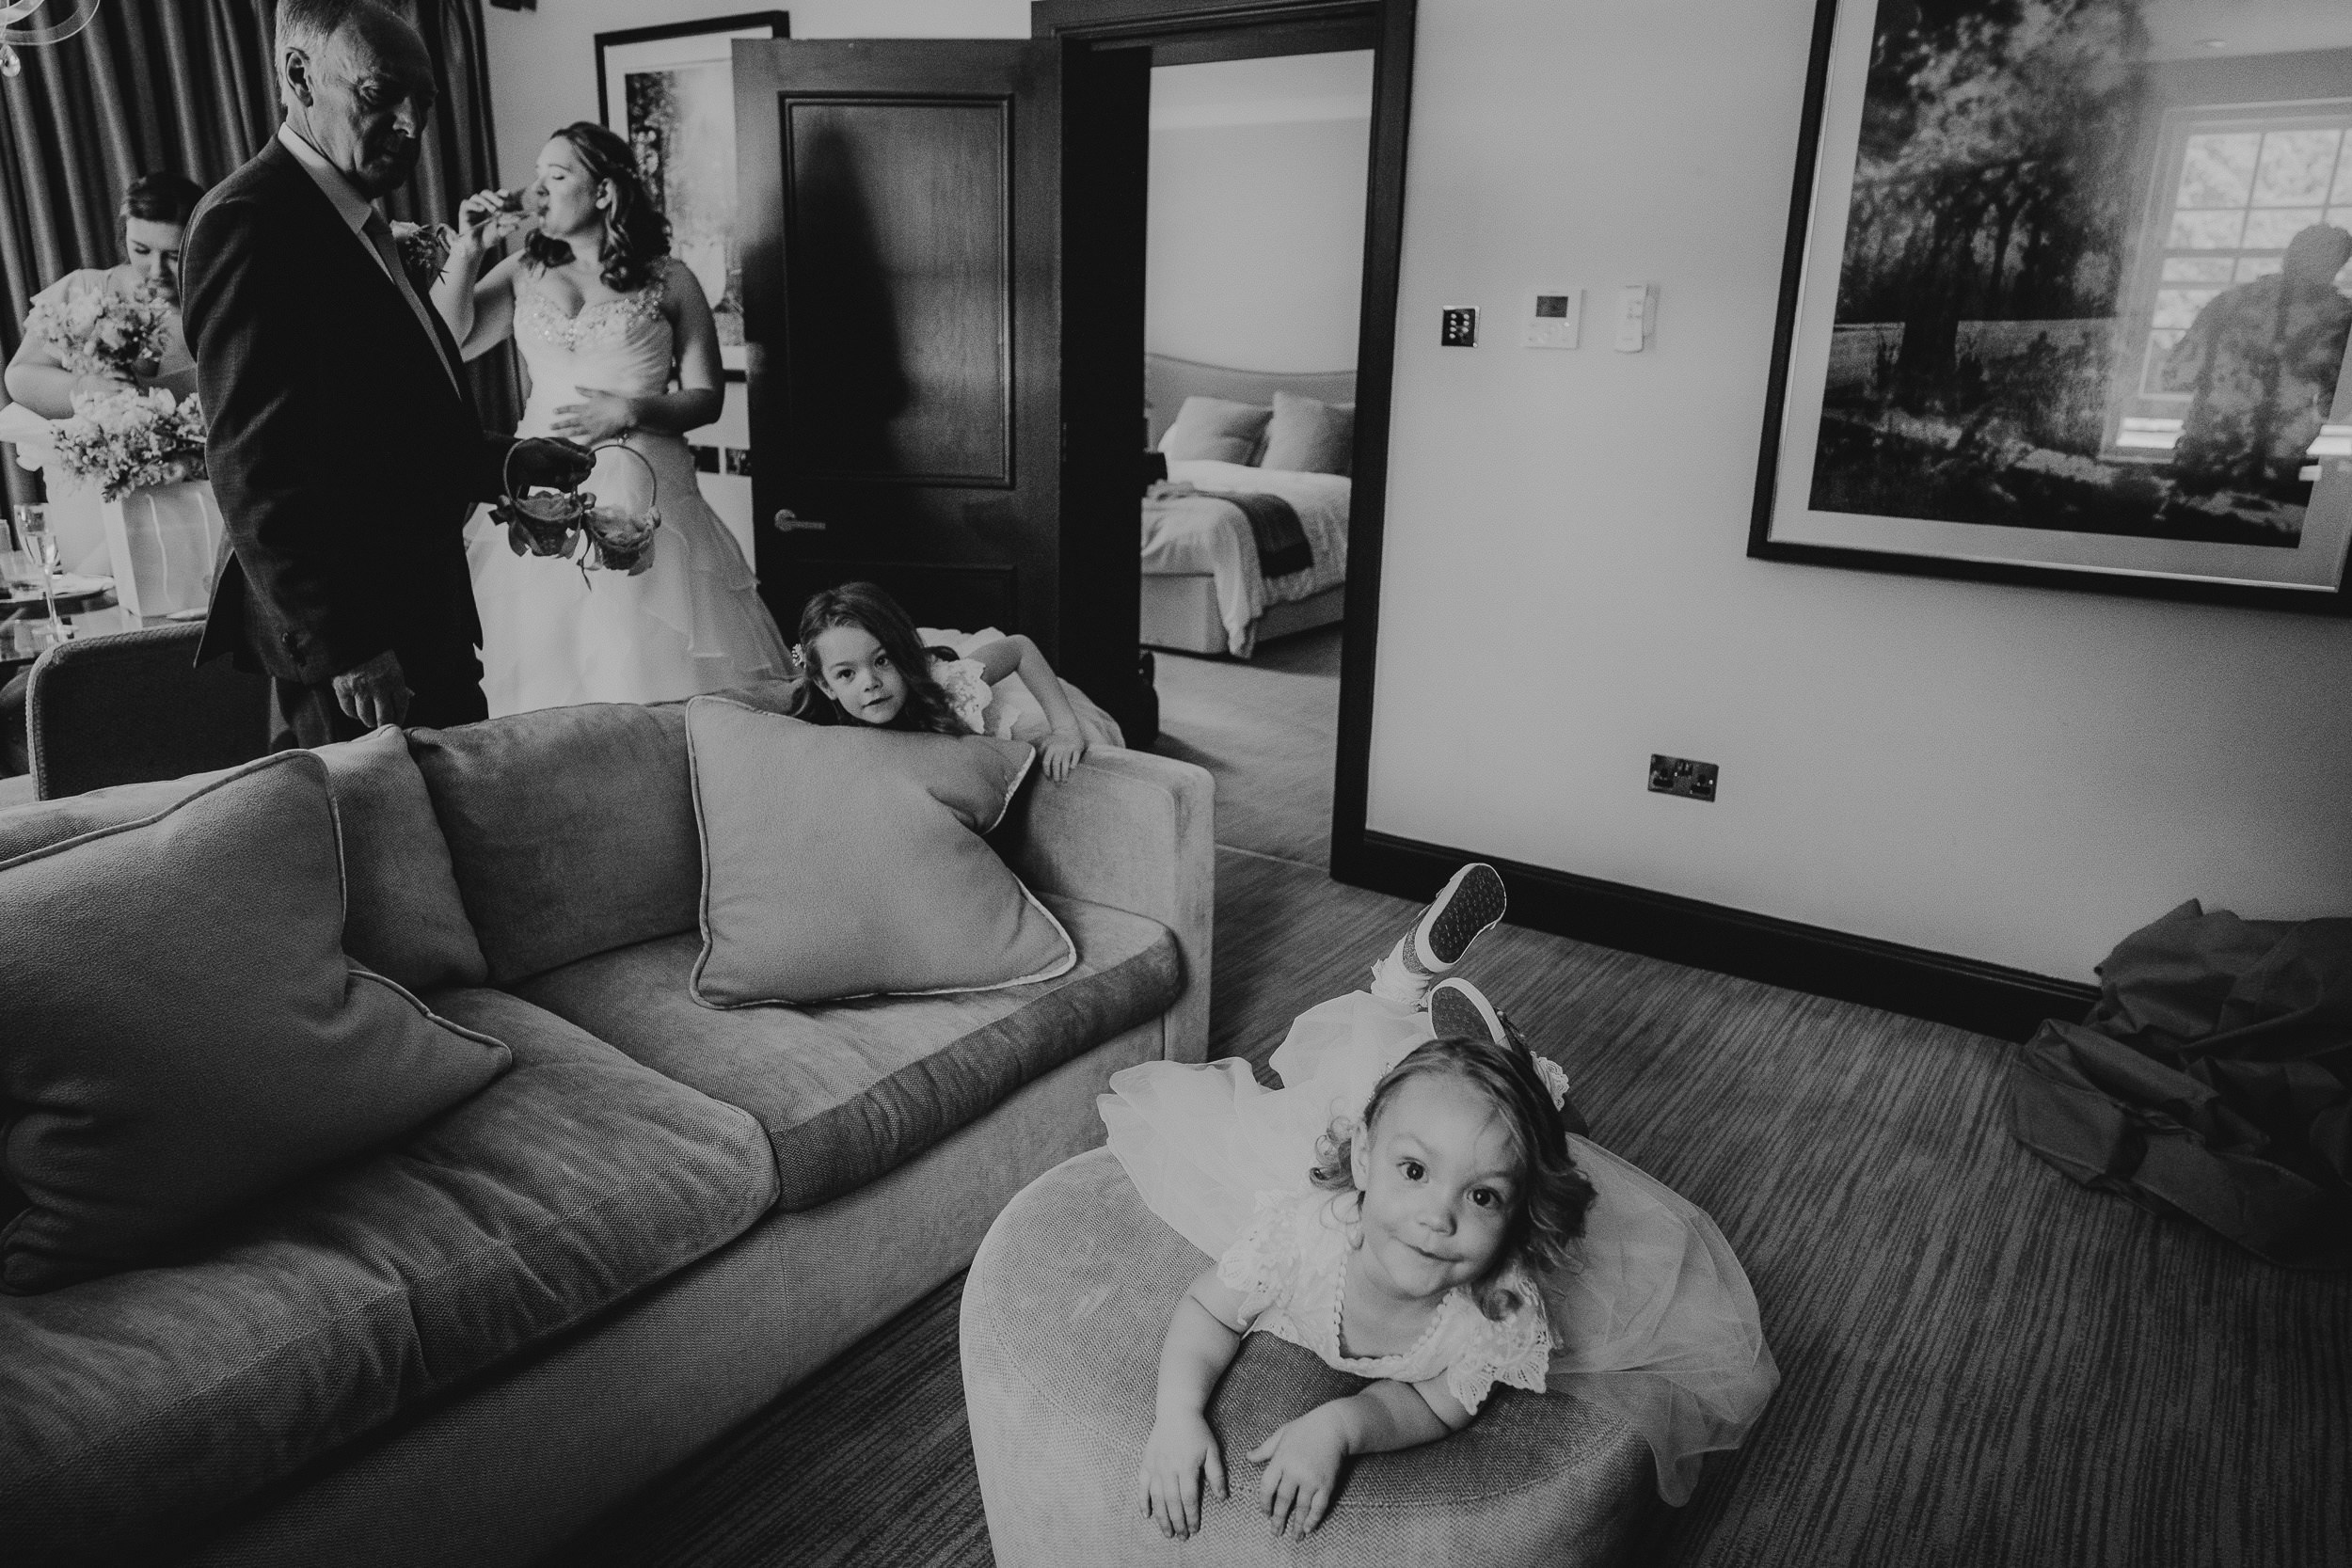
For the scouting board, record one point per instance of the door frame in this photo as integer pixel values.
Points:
(1228, 29)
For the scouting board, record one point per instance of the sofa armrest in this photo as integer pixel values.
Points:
(1134, 832)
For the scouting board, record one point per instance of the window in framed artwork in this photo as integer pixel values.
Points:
(2234, 187)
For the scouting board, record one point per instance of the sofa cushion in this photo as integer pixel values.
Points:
(851, 1090)
(133, 1406)
(572, 828)
(403, 917)
(888, 889)
(184, 1032)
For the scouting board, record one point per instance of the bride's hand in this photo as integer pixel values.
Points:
(600, 417)
(484, 219)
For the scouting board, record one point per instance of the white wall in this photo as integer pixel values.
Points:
(543, 63)
(2020, 776)
(1256, 239)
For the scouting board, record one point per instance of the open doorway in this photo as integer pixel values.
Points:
(1253, 282)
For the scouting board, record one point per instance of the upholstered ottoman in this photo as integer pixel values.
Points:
(1063, 1315)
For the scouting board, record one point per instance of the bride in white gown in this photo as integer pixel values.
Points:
(618, 338)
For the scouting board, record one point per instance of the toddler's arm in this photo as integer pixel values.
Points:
(1203, 1336)
(1066, 745)
(1303, 1457)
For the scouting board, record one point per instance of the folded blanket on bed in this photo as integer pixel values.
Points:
(1282, 546)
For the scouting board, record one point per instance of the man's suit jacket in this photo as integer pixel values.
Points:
(343, 459)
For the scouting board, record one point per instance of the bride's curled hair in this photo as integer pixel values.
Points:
(636, 233)
(1551, 1195)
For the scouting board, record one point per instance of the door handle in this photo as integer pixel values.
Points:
(788, 521)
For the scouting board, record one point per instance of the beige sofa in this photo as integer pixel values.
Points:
(537, 1369)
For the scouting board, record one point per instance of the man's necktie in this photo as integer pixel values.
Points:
(379, 234)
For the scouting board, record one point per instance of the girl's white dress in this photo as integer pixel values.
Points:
(691, 622)
(1654, 1320)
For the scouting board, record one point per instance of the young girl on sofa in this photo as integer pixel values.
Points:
(1417, 1206)
(860, 653)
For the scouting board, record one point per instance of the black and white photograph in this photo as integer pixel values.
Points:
(1107, 784)
(670, 91)
(2087, 297)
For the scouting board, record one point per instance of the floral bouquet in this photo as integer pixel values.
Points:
(101, 332)
(129, 440)
(572, 525)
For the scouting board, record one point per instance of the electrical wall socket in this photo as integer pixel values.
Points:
(1693, 781)
(1457, 327)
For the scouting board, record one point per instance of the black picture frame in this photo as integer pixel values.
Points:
(1810, 366)
(780, 24)
(771, 24)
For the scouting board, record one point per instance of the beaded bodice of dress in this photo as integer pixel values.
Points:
(619, 345)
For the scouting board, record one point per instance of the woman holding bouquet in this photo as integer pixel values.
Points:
(620, 344)
(155, 213)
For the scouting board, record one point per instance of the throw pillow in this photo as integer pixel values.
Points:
(182, 1032)
(1306, 435)
(842, 861)
(403, 917)
(1217, 430)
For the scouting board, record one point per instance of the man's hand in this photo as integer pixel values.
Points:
(557, 465)
(375, 693)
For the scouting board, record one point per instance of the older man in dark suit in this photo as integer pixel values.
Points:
(345, 449)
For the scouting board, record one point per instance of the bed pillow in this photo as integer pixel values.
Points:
(184, 1032)
(1215, 430)
(843, 860)
(1306, 435)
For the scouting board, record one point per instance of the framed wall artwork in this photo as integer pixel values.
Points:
(670, 92)
(2066, 296)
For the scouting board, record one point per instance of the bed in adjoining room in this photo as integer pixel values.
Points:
(1247, 539)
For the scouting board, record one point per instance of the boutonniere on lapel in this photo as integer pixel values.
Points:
(424, 248)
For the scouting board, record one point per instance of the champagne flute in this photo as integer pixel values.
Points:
(32, 527)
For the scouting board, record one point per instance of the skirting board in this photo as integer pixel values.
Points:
(1986, 999)
(1180, 613)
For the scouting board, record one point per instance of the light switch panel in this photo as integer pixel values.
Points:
(1457, 326)
(1637, 316)
(1553, 316)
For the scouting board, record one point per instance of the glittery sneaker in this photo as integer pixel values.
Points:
(1464, 908)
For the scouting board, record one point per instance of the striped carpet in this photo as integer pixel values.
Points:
(1982, 1364)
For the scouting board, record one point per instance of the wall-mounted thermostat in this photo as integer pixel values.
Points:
(1637, 316)
(1457, 326)
(1553, 318)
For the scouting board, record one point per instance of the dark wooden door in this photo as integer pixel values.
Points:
(944, 305)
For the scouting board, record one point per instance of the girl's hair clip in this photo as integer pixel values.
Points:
(1555, 1079)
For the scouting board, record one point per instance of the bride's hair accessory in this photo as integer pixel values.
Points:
(572, 525)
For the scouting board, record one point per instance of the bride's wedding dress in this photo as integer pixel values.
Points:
(691, 622)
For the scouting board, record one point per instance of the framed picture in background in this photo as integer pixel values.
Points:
(2066, 297)
(670, 91)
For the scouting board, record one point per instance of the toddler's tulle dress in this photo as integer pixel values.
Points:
(1654, 1320)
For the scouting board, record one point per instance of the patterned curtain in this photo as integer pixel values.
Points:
(188, 84)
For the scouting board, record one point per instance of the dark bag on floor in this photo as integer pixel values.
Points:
(2213, 1081)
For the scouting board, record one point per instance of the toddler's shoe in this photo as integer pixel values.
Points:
(1459, 1007)
(1468, 903)
(1464, 908)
